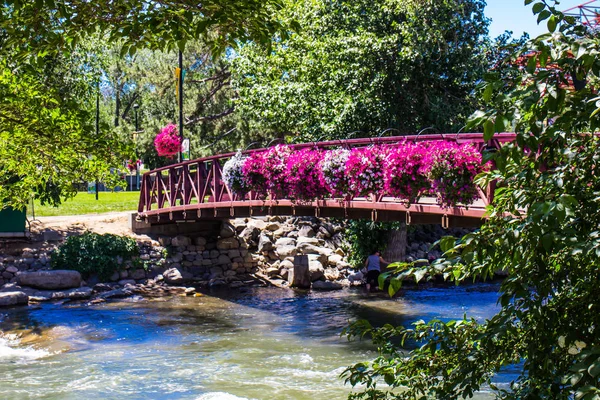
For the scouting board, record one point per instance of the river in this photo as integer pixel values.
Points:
(257, 343)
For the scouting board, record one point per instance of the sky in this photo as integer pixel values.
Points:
(512, 15)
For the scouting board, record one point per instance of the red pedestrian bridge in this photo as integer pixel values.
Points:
(194, 191)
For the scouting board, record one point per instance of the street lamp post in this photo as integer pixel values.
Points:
(137, 129)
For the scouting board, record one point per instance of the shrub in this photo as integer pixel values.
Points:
(92, 253)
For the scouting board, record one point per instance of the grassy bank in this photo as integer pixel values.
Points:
(84, 203)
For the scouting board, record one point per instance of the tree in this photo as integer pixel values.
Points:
(366, 66)
(50, 74)
(47, 134)
(542, 230)
(47, 26)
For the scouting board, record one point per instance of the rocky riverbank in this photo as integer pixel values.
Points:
(246, 251)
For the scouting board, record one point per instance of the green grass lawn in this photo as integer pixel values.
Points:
(85, 203)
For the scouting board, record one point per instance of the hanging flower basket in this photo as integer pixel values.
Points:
(168, 142)
(405, 172)
(452, 169)
(302, 180)
(332, 174)
(233, 174)
(265, 171)
(364, 169)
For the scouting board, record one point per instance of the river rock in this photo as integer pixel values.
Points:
(309, 240)
(286, 251)
(137, 274)
(307, 248)
(58, 279)
(306, 231)
(356, 277)
(326, 285)
(227, 230)
(316, 270)
(116, 294)
(332, 274)
(228, 243)
(264, 243)
(179, 241)
(285, 241)
(173, 276)
(8, 299)
(334, 259)
(102, 287)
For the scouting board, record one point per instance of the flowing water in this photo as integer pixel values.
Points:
(258, 343)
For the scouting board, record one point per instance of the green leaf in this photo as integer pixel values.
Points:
(543, 15)
(381, 279)
(538, 7)
(552, 23)
(488, 130)
(419, 274)
(447, 243)
(395, 285)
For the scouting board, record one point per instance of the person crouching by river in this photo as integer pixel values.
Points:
(373, 264)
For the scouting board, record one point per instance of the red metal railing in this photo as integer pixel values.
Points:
(197, 185)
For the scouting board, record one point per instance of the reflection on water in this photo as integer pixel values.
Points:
(258, 343)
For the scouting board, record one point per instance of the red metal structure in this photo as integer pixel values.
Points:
(588, 13)
(194, 190)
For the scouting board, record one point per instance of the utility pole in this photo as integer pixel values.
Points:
(180, 83)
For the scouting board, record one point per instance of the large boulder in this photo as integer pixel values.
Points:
(286, 251)
(306, 231)
(317, 272)
(285, 241)
(52, 280)
(334, 259)
(309, 240)
(8, 299)
(299, 275)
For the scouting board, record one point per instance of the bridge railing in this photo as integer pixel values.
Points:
(199, 181)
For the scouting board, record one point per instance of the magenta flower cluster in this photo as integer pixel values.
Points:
(266, 172)
(168, 142)
(406, 171)
(451, 171)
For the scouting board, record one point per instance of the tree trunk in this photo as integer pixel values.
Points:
(396, 246)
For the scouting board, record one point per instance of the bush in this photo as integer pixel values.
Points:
(92, 253)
